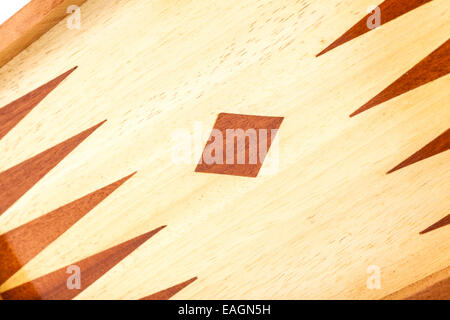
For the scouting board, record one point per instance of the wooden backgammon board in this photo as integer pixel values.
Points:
(251, 149)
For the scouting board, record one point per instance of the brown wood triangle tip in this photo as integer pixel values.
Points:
(441, 223)
(153, 232)
(329, 48)
(16, 181)
(132, 174)
(395, 169)
(389, 10)
(170, 292)
(14, 112)
(97, 125)
(368, 105)
(119, 182)
(438, 145)
(68, 72)
(357, 112)
(20, 245)
(432, 67)
(245, 161)
(54, 286)
(137, 241)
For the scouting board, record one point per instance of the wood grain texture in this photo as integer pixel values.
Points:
(438, 145)
(434, 66)
(170, 292)
(31, 22)
(54, 285)
(16, 181)
(19, 246)
(389, 10)
(12, 113)
(308, 229)
(440, 224)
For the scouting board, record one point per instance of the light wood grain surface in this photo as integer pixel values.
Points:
(309, 229)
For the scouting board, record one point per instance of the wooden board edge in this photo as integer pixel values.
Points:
(29, 24)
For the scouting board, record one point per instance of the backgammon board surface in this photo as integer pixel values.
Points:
(251, 149)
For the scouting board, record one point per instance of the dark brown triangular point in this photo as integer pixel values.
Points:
(234, 152)
(434, 66)
(390, 10)
(170, 292)
(441, 223)
(14, 112)
(19, 246)
(54, 286)
(16, 181)
(438, 145)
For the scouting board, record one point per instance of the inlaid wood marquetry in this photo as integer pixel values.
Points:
(389, 9)
(438, 145)
(19, 246)
(11, 114)
(170, 292)
(16, 181)
(434, 66)
(440, 224)
(54, 285)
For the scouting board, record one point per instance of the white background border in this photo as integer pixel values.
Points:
(9, 7)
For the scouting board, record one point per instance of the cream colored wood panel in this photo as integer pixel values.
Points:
(308, 231)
